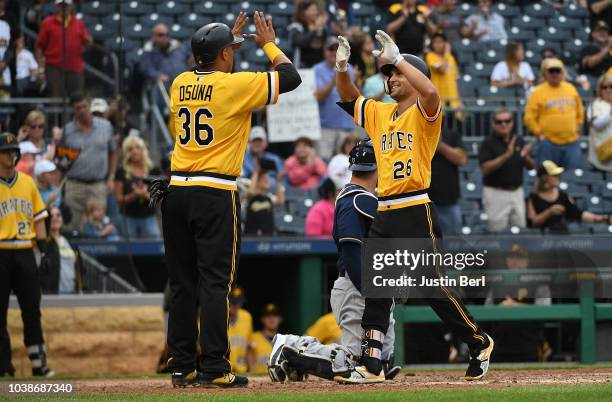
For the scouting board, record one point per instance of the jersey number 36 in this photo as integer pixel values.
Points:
(203, 133)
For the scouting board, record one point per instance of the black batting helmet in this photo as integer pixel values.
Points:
(361, 157)
(208, 41)
(8, 142)
(416, 62)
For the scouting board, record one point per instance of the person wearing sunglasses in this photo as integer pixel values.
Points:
(599, 115)
(503, 156)
(164, 58)
(554, 114)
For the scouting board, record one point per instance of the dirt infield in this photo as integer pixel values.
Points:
(407, 380)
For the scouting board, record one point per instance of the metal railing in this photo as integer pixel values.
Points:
(152, 120)
(97, 278)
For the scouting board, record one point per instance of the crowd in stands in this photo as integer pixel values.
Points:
(103, 193)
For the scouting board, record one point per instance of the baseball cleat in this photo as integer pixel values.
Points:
(361, 375)
(227, 380)
(392, 373)
(276, 370)
(479, 362)
(182, 380)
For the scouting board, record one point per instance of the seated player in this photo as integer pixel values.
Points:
(239, 331)
(260, 343)
(325, 329)
(292, 355)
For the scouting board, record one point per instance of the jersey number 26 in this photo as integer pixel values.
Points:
(203, 133)
(402, 170)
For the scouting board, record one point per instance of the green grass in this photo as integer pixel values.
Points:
(582, 393)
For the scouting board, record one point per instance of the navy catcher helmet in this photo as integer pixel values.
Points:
(417, 62)
(208, 41)
(361, 157)
(8, 142)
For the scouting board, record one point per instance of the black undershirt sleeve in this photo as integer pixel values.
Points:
(288, 77)
(348, 107)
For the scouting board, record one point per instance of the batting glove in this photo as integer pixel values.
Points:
(389, 50)
(342, 54)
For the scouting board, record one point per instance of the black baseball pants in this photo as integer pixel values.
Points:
(18, 272)
(201, 227)
(420, 221)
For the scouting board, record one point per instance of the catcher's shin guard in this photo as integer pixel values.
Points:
(371, 350)
(309, 363)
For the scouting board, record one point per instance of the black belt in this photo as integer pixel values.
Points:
(86, 181)
(505, 188)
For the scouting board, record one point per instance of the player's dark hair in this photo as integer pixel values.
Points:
(439, 34)
(78, 97)
(499, 111)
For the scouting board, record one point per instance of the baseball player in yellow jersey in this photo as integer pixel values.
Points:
(239, 331)
(210, 117)
(325, 329)
(405, 136)
(22, 214)
(260, 342)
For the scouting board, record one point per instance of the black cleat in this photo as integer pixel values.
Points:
(183, 380)
(227, 380)
(479, 362)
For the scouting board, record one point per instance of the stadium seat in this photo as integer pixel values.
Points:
(152, 19)
(172, 8)
(471, 190)
(575, 11)
(466, 45)
(116, 19)
(562, 22)
(606, 189)
(584, 34)
(550, 34)
(116, 44)
(98, 8)
(468, 206)
(287, 223)
(181, 32)
(101, 32)
(493, 91)
(282, 8)
(137, 31)
(518, 34)
(596, 204)
(491, 56)
(540, 44)
(583, 176)
(359, 9)
(244, 6)
(574, 47)
(137, 9)
(479, 69)
(533, 59)
(90, 20)
(539, 10)
(466, 9)
(528, 22)
(194, 21)
(213, 9)
(506, 10)
(574, 189)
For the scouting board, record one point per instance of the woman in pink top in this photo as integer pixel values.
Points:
(304, 168)
(320, 218)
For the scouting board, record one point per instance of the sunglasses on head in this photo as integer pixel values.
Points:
(554, 70)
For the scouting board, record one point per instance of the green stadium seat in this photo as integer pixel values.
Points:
(245, 6)
(551, 34)
(173, 8)
(361, 10)
(100, 8)
(506, 10)
(466, 9)
(282, 8)
(520, 35)
(194, 20)
(563, 22)
(575, 11)
(528, 22)
(137, 31)
(181, 32)
(136, 8)
(116, 44)
(539, 10)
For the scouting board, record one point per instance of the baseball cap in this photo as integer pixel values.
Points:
(257, 133)
(600, 25)
(331, 41)
(44, 166)
(270, 309)
(549, 168)
(99, 105)
(552, 63)
(236, 295)
(518, 251)
(27, 147)
(68, 2)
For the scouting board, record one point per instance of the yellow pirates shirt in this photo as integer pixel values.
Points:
(261, 347)
(210, 119)
(325, 329)
(20, 207)
(239, 333)
(404, 146)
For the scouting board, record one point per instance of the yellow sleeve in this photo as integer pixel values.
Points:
(172, 114)
(429, 119)
(253, 90)
(365, 115)
(315, 330)
(579, 107)
(531, 113)
(39, 209)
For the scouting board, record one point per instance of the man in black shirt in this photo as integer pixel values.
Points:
(444, 189)
(596, 58)
(409, 25)
(503, 155)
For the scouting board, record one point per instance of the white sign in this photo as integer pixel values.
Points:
(297, 112)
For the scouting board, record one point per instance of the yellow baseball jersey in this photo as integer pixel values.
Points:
(404, 146)
(20, 207)
(210, 119)
(326, 329)
(261, 347)
(239, 333)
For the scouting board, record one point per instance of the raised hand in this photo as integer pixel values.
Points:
(263, 28)
(241, 21)
(342, 54)
(389, 50)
